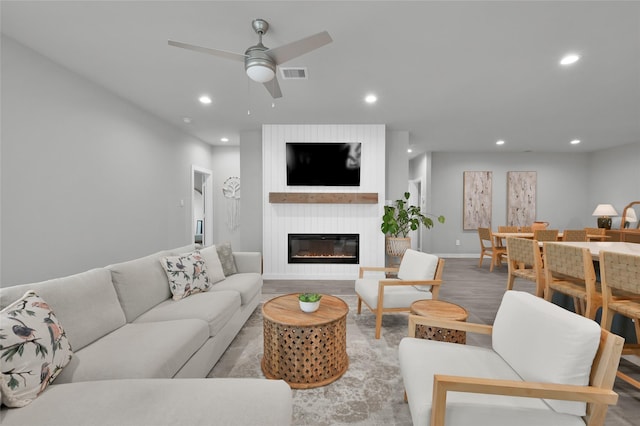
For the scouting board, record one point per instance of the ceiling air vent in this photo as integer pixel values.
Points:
(293, 73)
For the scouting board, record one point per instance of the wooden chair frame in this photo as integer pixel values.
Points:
(525, 261)
(598, 395)
(497, 251)
(574, 277)
(621, 273)
(379, 310)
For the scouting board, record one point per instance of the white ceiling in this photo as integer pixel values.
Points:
(456, 75)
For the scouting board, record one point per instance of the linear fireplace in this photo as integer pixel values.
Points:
(324, 248)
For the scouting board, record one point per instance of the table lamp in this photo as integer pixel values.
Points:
(630, 216)
(604, 213)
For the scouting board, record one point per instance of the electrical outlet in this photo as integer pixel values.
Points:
(457, 242)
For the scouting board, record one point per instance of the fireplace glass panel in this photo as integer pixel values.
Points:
(324, 248)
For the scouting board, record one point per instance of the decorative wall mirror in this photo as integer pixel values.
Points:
(631, 216)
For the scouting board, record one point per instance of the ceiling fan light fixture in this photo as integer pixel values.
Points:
(260, 73)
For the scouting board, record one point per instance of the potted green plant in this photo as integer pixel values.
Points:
(400, 218)
(309, 302)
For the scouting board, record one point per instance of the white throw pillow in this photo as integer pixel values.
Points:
(225, 253)
(34, 349)
(214, 267)
(187, 274)
(543, 342)
(417, 265)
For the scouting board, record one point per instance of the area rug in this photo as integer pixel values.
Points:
(369, 393)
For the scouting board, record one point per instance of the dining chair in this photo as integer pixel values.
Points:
(545, 235)
(569, 270)
(419, 277)
(526, 229)
(596, 233)
(525, 261)
(574, 235)
(512, 229)
(488, 247)
(621, 273)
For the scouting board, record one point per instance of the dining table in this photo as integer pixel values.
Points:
(499, 236)
(595, 247)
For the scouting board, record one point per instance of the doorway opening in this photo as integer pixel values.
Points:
(201, 219)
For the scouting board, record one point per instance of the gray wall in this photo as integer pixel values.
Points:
(562, 192)
(397, 164)
(251, 201)
(225, 164)
(88, 179)
(614, 178)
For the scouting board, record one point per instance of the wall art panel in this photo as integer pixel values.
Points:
(477, 200)
(521, 198)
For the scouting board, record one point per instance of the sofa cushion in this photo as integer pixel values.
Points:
(214, 267)
(216, 309)
(394, 296)
(225, 253)
(543, 342)
(160, 402)
(141, 284)
(247, 284)
(86, 304)
(34, 349)
(420, 359)
(187, 274)
(140, 350)
(416, 265)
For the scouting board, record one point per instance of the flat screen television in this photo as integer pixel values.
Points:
(323, 163)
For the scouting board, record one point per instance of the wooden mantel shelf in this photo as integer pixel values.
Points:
(324, 197)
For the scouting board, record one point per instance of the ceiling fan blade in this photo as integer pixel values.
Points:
(292, 50)
(273, 87)
(216, 52)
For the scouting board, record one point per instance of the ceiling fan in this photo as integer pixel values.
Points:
(259, 61)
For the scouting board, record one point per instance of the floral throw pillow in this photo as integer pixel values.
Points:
(225, 253)
(33, 349)
(187, 274)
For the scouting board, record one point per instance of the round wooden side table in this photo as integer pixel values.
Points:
(439, 309)
(306, 350)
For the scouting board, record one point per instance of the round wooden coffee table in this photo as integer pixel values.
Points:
(439, 309)
(306, 350)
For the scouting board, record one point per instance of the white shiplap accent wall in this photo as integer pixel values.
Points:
(282, 219)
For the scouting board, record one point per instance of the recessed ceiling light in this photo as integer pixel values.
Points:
(409, 150)
(224, 139)
(500, 142)
(569, 59)
(575, 142)
(186, 119)
(204, 99)
(371, 99)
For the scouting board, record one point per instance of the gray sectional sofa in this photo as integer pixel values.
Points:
(141, 358)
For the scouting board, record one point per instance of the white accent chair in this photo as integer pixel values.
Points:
(546, 366)
(419, 277)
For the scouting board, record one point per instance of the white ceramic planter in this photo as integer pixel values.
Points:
(309, 306)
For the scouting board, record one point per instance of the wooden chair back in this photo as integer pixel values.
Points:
(527, 229)
(507, 229)
(574, 235)
(569, 270)
(488, 245)
(620, 273)
(545, 234)
(485, 236)
(595, 231)
(525, 261)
